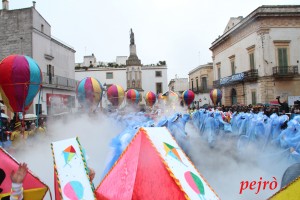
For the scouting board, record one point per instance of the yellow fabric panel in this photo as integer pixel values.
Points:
(31, 194)
(4, 195)
(37, 193)
(291, 192)
(97, 89)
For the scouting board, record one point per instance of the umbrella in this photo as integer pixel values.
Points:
(4, 116)
(30, 117)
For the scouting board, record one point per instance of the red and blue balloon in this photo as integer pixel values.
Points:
(133, 96)
(188, 97)
(150, 98)
(20, 81)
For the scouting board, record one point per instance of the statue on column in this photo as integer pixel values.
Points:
(131, 37)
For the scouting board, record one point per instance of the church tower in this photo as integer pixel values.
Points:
(133, 67)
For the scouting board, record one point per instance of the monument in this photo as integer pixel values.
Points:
(133, 65)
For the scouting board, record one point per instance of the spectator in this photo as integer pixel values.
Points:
(284, 105)
(17, 179)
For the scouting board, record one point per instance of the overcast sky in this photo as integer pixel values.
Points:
(178, 31)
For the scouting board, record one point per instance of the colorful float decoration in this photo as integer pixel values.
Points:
(169, 168)
(71, 178)
(216, 96)
(133, 96)
(188, 97)
(20, 81)
(89, 93)
(33, 188)
(150, 98)
(115, 95)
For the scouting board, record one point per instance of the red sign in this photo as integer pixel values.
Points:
(58, 103)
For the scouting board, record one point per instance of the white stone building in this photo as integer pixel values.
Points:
(257, 57)
(201, 82)
(121, 60)
(25, 31)
(178, 85)
(143, 78)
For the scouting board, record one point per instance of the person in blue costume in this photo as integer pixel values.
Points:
(209, 130)
(176, 125)
(203, 115)
(221, 125)
(132, 122)
(236, 122)
(196, 119)
(287, 134)
(162, 122)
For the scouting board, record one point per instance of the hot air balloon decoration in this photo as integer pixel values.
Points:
(115, 95)
(20, 81)
(133, 96)
(188, 97)
(216, 96)
(150, 98)
(89, 93)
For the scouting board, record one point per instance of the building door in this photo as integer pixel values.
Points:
(204, 84)
(233, 97)
(253, 95)
(282, 61)
(158, 88)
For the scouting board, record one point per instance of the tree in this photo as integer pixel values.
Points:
(161, 63)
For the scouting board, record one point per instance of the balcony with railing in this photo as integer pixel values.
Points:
(201, 90)
(59, 82)
(246, 76)
(285, 71)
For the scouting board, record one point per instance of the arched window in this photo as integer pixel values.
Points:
(233, 96)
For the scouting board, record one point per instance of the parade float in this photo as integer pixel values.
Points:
(154, 166)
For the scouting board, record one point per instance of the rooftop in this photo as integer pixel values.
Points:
(262, 11)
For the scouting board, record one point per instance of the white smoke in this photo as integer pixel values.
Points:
(223, 167)
(94, 133)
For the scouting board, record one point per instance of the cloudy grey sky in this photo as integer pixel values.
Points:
(178, 31)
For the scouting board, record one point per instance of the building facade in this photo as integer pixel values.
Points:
(24, 31)
(154, 77)
(201, 82)
(178, 85)
(257, 58)
(133, 75)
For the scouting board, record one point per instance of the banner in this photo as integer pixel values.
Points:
(71, 173)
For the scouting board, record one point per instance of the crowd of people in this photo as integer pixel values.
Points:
(12, 131)
(268, 109)
(263, 125)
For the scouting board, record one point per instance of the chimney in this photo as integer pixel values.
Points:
(33, 4)
(5, 4)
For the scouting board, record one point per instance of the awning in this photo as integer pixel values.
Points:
(274, 103)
